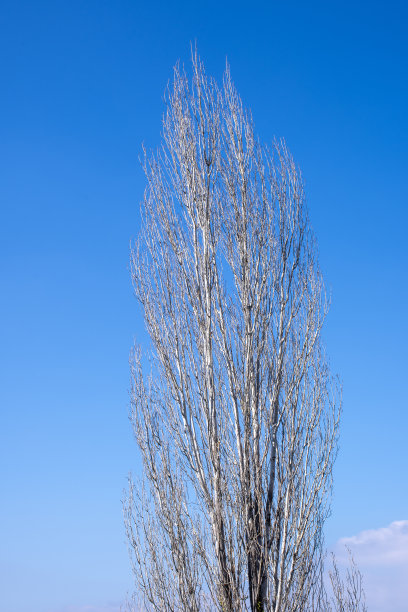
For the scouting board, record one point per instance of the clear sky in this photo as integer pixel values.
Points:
(81, 88)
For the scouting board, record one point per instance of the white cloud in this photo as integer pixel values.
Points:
(382, 557)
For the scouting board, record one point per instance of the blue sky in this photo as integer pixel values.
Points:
(82, 88)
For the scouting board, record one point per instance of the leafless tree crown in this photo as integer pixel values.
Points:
(237, 422)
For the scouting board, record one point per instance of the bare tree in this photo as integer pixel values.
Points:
(347, 593)
(237, 421)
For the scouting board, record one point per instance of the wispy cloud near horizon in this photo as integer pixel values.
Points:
(91, 608)
(382, 557)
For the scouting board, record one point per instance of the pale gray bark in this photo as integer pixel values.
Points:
(237, 423)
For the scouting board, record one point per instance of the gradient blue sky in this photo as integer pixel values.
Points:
(82, 87)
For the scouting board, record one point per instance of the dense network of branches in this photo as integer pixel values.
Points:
(237, 420)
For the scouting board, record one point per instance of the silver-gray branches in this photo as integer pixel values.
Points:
(237, 423)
